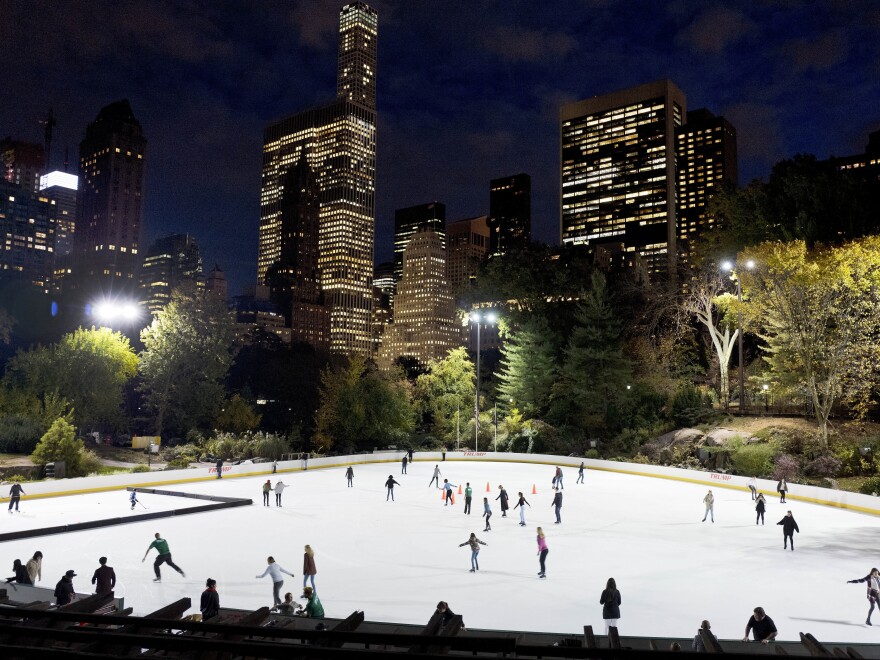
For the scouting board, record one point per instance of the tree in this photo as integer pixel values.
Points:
(6, 324)
(445, 395)
(187, 353)
(819, 312)
(87, 368)
(60, 444)
(594, 372)
(237, 416)
(528, 367)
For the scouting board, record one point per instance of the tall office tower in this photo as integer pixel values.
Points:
(22, 163)
(706, 152)
(294, 280)
(338, 141)
(467, 247)
(170, 261)
(510, 213)
(216, 283)
(27, 232)
(111, 200)
(409, 220)
(618, 171)
(383, 301)
(424, 309)
(61, 189)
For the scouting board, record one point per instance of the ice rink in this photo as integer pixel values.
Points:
(395, 560)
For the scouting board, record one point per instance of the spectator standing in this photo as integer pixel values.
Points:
(789, 527)
(219, 468)
(309, 568)
(104, 577)
(64, 589)
(761, 626)
(610, 602)
(35, 567)
(709, 501)
(443, 452)
(210, 602)
(705, 629)
(274, 570)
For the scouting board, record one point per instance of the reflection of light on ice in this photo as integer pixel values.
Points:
(396, 560)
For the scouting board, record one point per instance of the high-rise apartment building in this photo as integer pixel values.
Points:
(383, 301)
(61, 189)
(409, 220)
(27, 234)
(111, 200)
(216, 283)
(618, 171)
(424, 308)
(706, 152)
(169, 262)
(467, 246)
(338, 142)
(22, 163)
(510, 213)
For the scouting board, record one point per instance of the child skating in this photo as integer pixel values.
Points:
(522, 509)
(487, 513)
(873, 580)
(475, 544)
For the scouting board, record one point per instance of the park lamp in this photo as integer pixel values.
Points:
(116, 312)
(478, 318)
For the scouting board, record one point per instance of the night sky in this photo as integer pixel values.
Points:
(467, 90)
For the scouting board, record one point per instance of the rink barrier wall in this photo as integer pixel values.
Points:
(797, 492)
(29, 593)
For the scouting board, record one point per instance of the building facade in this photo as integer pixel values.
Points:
(467, 244)
(216, 283)
(22, 163)
(409, 220)
(510, 213)
(169, 262)
(338, 141)
(27, 232)
(61, 189)
(618, 171)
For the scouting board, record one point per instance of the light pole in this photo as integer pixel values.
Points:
(478, 318)
(457, 430)
(731, 268)
(766, 389)
(495, 416)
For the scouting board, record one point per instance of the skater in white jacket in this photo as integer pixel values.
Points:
(274, 570)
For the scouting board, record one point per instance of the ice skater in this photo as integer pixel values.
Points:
(436, 477)
(504, 503)
(349, 477)
(487, 513)
(557, 505)
(164, 557)
(267, 487)
(873, 580)
(274, 570)
(475, 544)
(468, 493)
(133, 499)
(753, 486)
(219, 468)
(450, 498)
(789, 527)
(389, 484)
(557, 478)
(542, 553)
(760, 508)
(782, 489)
(522, 509)
(709, 501)
(35, 567)
(279, 488)
(610, 602)
(309, 568)
(580, 478)
(443, 452)
(15, 494)
(403, 464)
(104, 577)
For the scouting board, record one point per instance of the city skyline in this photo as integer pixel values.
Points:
(465, 95)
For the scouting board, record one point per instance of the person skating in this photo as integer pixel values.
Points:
(873, 580)
(267, 487)
(760, 508)
(443, 452)
(15, 494)
(522, 509)
(450, 498)
(487, 513)
(782, 489)
(410, 452)
(709, 501)
(557, 478)
(436, 477)
(753, 487)
(475, 544)
(164, 557)
(761, 626)
(133, 499)
(557, 505)
(309, 568)
(313, 607)
(279, 488)
(274, 570)
(104, 577)
(209, 605)
(403, 464)
(580, 478)
(219, 468)
(349, 476)
(610, 602)
(389, 484)
(542, 553)
(789, 527)
(468, 492)
(19, 573)
(35, 567)
(64, 592)
(705, 629)
(504, 503)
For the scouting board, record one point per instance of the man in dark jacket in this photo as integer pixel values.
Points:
(557, 504)
(761, 626)
(104, 578)
(789, 527)
(64, 589)
(219, 468)
(210, 603)
(389, 484)
(15, 494)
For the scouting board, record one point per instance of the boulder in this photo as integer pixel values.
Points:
(719, 437)
(681, 436)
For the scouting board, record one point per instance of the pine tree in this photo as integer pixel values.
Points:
(528, 368)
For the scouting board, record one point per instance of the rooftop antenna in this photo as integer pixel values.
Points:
(66, 159)
(49, 124)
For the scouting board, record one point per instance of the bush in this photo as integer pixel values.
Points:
(870, 486)
(177, 463)
(20, 435)
(689, 407)
(89, 463)
(786, 466)
(825, 465)
(270, 446)
(140, 468)
(59, 443)
(592, 453)
(753, 460)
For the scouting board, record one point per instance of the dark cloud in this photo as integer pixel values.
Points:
(819, 53)
(716, 28)
(520, 44)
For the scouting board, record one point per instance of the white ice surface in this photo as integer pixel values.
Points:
(396, 560)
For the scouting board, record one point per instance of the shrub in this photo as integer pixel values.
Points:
(270, 446)
(140, 468)
(20, 435)
(592, 453)
(177, 463)
(753, 460)
(59, 443)
(786, 466)
(825, 465)
(689, 406)
(89, 463)
(870, 486)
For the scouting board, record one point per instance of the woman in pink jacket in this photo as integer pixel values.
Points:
(542, 552)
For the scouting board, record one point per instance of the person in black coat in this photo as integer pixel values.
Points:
(760, 507)
(789, 527)
(557, 504)
(64, 589)
(104, 578)
(389, 484)
(349, 476)
(446, 614)
(610, 602)
(873, 580)
(219, 468)
(15, 494)
(503, 497)
(761, 626)
(20, 573)
(403, 464)
(209, 605)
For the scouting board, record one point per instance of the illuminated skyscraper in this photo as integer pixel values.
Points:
(467, 245)
(170, 261)
(61, 189)
(27, 234)
(510, 213)
(338, 141)
(619, 173)
(409, 220)
(22, 163)
(111, 201)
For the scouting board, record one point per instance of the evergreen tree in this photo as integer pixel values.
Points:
(528, 367)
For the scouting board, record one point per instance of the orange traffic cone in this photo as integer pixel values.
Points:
(459, 489)
(487, 486)
(442, 493)
(534, 490)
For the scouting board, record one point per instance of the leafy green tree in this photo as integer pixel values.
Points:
(528, 367)
(88, 368)
(445, 394)
(594, 372)
(6, 324)
(237, 416)
(187, 353)
(819, 313)
(60, 444)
